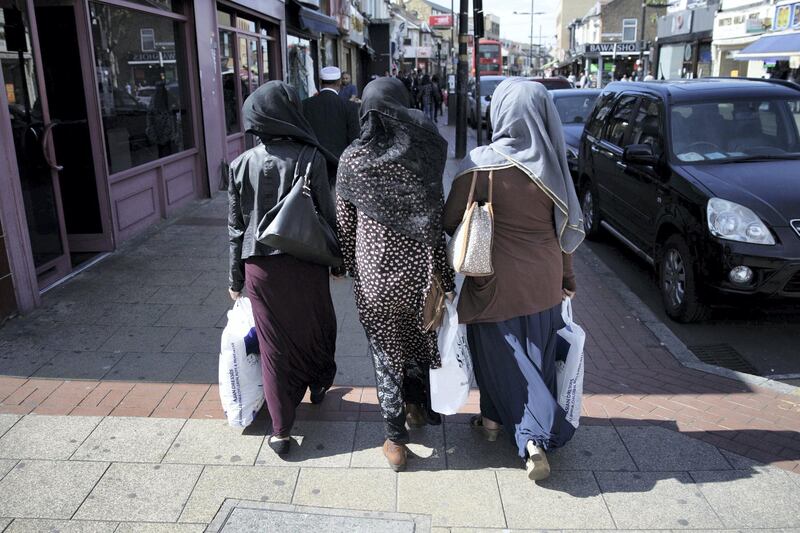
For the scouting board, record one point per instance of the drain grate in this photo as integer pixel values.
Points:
(723, 355)
(202, 221)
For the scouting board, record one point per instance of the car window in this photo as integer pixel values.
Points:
(604, 104)
(574, 109)
(619, 120)
(646, 127)
(716, 131)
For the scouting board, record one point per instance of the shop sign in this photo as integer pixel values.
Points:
(356, 34)
(151, 57)
(611, 48)
(682, 23)
(754, 25)
(424, 51)
(742, 24)
(440, 21)
(783, 17)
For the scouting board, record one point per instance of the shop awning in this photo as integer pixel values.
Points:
(317, 22)
(776, 47)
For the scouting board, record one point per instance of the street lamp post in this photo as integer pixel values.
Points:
(531, 13)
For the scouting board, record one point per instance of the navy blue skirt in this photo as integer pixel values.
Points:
(514, 365)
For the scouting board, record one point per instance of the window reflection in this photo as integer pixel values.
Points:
(144, 95)
(228, 68)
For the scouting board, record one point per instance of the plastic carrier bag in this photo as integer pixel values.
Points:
(240, 387)
(450, 383)
(569, 365)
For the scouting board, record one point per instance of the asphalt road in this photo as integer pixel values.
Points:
(768, 336)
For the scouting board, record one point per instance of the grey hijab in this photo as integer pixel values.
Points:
(528, 135)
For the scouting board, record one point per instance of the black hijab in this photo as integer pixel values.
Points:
(393, 171)
(275, 111)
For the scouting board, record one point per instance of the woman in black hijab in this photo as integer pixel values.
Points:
(294, 315)
(389, 210)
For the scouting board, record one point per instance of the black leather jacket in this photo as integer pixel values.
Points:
(259, 178)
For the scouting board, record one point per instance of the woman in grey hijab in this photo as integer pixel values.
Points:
(513, 315)
(291, 299)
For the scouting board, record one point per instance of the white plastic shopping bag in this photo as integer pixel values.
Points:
(569, 365)
(450, 383)
(240, 387)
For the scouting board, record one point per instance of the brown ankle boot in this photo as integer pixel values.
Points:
(396, 455)
(415, 416)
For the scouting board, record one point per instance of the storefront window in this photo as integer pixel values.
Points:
(245, 24)
(670, 61)
(704, 60)
(144, 96)
(330, 57)
(224, 18)
(175, 6)
(265, 58)
(301, 66)
(228, 68)
(244, 60)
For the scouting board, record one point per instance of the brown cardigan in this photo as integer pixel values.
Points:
(530, 269)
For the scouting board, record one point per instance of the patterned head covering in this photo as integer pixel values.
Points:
(393, 171)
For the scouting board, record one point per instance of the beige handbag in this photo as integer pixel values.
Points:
(470, 250)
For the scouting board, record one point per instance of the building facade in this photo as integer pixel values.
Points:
(683, 45)
(737, 24)
(118, 113)
(607, 41)
(567, 11)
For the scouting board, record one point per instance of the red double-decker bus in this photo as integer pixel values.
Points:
(489, 58)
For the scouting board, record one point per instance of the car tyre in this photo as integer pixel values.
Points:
(677, 282)
(590, 207)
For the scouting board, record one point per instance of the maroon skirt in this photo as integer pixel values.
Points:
(296, 328)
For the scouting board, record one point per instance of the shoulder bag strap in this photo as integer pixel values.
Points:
(472, 189)
(491, 175)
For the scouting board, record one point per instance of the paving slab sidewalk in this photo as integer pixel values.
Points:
(660, 446)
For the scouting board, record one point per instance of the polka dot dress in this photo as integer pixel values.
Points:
(392, 275)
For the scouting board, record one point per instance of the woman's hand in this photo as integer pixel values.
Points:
(235, 295)
(566, 293)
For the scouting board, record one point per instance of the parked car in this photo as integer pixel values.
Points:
(488, 85)
(554, 82)
(574, 106)
(702, 179)
(144, 94)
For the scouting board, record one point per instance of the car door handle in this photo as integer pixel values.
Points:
(595, 149)
(622, 165)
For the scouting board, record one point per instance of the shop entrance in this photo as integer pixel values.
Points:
(45, 64)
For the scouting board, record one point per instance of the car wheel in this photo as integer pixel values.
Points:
(678, 283)
(590, 207)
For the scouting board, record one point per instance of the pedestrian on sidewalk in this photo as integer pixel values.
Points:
(389, 208)
(437, 98)
(513, 315)
(292, 305)
(426, 97)
(334, 121)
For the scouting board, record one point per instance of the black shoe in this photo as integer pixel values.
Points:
(317, 394)
(279, 445)
(433, 418)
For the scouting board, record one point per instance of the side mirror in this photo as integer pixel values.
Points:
(641, 154)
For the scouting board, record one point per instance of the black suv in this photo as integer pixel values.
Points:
(702, 179)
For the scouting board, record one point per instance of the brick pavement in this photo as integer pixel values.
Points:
(119, 327)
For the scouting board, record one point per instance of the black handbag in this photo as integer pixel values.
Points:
(297, 228)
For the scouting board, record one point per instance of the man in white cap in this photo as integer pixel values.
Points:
(334, 121)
